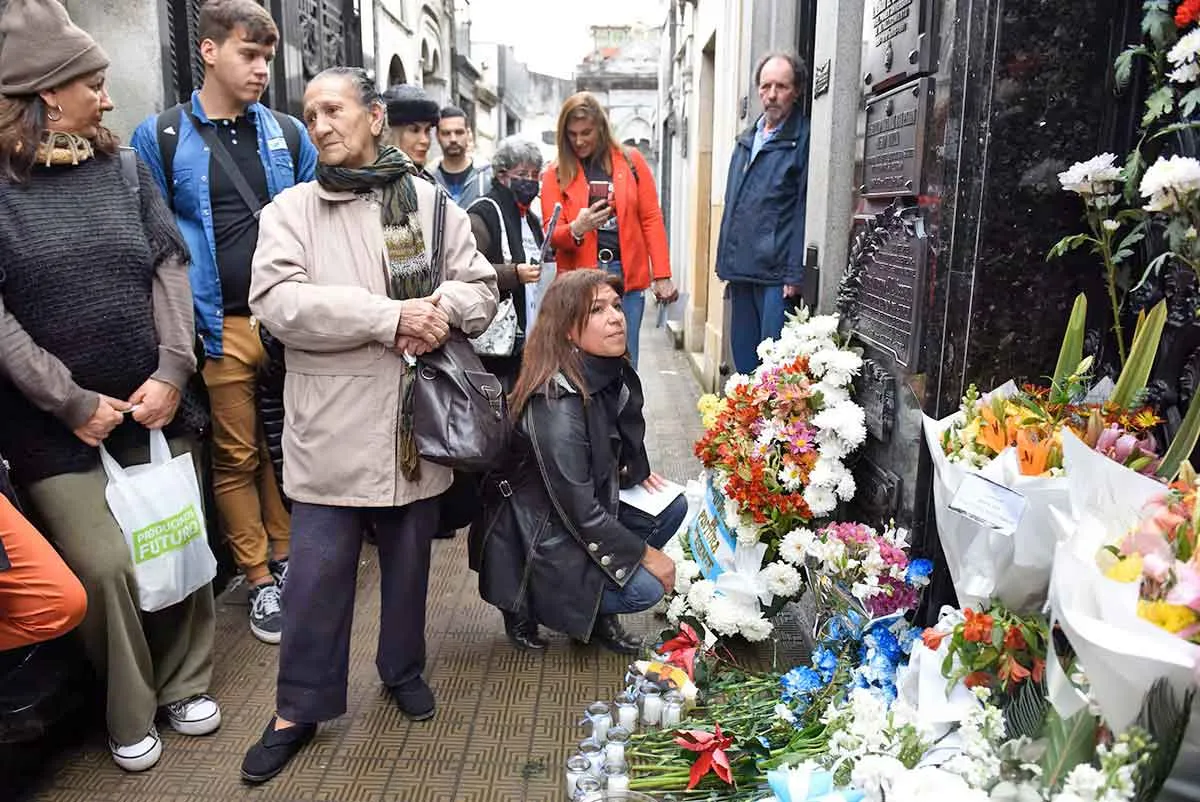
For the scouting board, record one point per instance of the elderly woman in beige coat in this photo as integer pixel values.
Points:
(342, 277)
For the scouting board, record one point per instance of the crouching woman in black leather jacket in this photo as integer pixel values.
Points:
(553, 544)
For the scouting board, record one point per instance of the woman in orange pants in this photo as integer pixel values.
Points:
(40, 598)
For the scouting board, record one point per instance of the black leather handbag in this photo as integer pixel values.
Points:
(460, 415)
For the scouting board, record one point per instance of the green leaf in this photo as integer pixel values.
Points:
(1135, 165)
(1152, 269)
(1026, 711)
(1067, 244)
(1189, 102)
(1165, 718)
(1123, 66)
(1071, 352)
(1184, 441)
(1069, 742)
(1159, 24)
(1136, 372)
(1132, 238)
(1174, 128)
(1158, 104)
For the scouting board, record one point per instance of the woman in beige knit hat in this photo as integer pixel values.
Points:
(96, 336)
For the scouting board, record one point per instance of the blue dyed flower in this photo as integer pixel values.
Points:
(825, 661)
(882, 640)
(919, 571)
(800, 682)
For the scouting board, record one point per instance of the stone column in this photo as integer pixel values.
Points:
(833, 144)
(133, 33)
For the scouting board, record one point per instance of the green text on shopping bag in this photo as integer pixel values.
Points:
(169, 534)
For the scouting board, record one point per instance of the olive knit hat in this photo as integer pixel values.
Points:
(40, 48)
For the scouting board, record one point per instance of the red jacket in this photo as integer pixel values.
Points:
(644, 253)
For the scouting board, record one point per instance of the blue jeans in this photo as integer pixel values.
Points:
(643, 590)
(634, 304)
(756, 314)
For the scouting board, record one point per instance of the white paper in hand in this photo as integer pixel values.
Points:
(652, 502)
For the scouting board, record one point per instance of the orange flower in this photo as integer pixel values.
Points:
(932, 639)
(978, 679)
(993, 432)
(1014, 641)
(1033, 452)
(1011, 671)
(1039, 668)
(978, 627)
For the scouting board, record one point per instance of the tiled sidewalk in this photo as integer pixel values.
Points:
(505, 719)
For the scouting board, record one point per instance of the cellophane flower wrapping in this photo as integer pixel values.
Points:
(985, 564)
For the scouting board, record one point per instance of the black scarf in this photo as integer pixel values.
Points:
(614, 409)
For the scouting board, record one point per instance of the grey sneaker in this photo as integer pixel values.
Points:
(266, 616)
(279, 570)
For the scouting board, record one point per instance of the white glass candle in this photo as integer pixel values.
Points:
(594, 754)
(618, 782)
(598, 713)
(614, 752)
(652, 705)
(627, 712)
(672, 712)
(577, 766)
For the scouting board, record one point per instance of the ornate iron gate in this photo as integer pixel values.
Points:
(314, 35)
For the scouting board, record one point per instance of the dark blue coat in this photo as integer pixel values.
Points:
(762, 229)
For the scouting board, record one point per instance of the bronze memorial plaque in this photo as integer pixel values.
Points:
(881, 293)
(898, 42)
(894, 148)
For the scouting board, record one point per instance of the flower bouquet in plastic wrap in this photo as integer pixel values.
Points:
(999, 469)
(774, 449)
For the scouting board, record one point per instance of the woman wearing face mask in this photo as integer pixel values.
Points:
(509, 234)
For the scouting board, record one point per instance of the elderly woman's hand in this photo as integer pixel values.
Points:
(108, 415)
(423, 320)
(528, 274)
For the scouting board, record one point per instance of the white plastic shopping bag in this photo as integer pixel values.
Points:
(159, 510)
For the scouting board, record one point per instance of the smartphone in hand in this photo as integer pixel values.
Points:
(598, 191)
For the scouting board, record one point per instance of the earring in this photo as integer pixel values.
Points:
(50, 112)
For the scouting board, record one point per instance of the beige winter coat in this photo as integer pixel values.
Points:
(319, 286)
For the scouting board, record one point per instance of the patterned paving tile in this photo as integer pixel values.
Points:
(505, 719)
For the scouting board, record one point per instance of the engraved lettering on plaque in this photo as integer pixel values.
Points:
(893, 152)
(875, 391)
(878, 497)
(897, 34)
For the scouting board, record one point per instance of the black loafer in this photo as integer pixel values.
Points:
(522, 632)
(275, 750)
(609, 633)
(415, 699)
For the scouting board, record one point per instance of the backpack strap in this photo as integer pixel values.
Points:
(629, 161)
(166, 130)
(129, 170)
(291, 134)
(505, 250)
(436, 255)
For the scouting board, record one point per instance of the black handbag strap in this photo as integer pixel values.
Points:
(209, 134)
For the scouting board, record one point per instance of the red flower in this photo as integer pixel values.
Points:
(978, 679)
(682, 650)
(1011, 671)
(1039, 668)
(711, 746)
(978, 627)
(932, 639)
(1014, 641)
(1187, 13)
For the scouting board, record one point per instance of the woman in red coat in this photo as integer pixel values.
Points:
(610, 213)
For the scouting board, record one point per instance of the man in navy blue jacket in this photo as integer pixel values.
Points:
(218, 159)
(761, 248)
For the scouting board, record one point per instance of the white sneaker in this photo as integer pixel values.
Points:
(198, 715)
(139, 756)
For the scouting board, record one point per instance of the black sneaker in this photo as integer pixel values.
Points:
(415, 699)
(274, 750)
(266, 616)
(279, 569)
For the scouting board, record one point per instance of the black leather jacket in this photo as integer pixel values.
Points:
(270, 401)
(547, 539)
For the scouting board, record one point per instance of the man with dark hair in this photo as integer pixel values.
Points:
(219, 159)
(761, 247)
(462, 180)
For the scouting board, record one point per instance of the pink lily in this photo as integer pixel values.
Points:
(1187, 587)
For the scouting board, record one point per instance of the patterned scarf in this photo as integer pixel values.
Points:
(58, 148)
(410, 273)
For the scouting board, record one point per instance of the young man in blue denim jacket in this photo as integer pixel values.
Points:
(761, 248)
(218, 160)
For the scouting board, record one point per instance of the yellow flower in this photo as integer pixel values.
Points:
(1128, 569)
(710, 407)
(1171, 617)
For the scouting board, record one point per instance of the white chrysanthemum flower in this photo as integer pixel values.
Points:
(826, 472)
(1110, 225)
(781, 579)
(795, 544)
(1169, 183)
(819, 327)
(1186, 74)
(747, 535)
(821, 500)
(789, 477)
(846, 487)
(831, 394)
(700, 596)
(874, 775)
(784, 713)
(847, 421)
(673, 548)
(686, 572)
(735, 382)
(677, 609)
(1186, 50)
(755, 627)
(1094, 176)
(724, 616)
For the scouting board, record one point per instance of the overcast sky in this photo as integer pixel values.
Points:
(551, 36)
